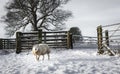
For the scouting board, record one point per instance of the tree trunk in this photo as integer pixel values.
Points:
(35, 27)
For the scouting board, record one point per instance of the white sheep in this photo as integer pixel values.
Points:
(41, 49)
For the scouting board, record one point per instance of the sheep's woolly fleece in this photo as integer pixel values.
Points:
(62, 62)
(40, 49)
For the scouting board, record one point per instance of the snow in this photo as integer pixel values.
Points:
(76, 61)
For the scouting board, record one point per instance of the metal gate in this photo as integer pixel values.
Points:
(84, 42)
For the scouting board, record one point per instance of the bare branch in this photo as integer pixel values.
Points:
(38, 12)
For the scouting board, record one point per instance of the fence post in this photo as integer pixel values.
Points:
(40, 36)
(1, 44)
(71, 43)
(18, 42)
(8, 43)
(68, 39)
(100, 39)
(107, 37)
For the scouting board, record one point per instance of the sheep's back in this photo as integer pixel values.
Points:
(44, 48)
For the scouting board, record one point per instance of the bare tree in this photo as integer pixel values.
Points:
(38, 13)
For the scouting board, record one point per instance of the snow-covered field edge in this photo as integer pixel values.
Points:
(76, 61)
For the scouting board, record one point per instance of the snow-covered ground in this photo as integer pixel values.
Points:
(76, 61)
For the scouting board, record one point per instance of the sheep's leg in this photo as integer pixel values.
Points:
(43, 57)
(48, 57)
(36, 57)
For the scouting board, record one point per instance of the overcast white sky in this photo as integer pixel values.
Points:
(87, 14)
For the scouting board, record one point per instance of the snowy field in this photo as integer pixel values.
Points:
(83, 61)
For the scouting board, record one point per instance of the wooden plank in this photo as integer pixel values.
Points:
(108, 49)
(30, 48)
(55, 36)
(35, 32)
(32, 36)
(64, 39)
(26, 46)
(56, 42)
(58, 46)
(64, 44)
(56, 32)
(28, 40)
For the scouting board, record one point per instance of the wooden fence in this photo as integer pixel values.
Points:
(7, 43)
(25, 41)
(108, 37)
(84, 42)
(62, 39)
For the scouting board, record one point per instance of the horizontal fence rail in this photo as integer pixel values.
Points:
(111, 25)
(7, 43)
(84, 41)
